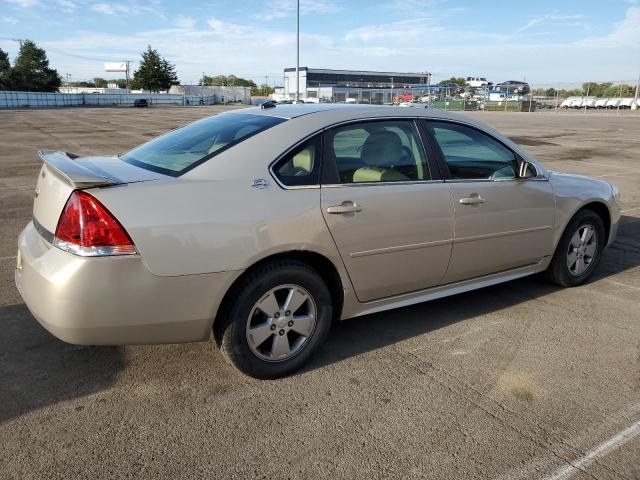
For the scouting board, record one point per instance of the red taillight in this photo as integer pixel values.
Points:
(86, 227)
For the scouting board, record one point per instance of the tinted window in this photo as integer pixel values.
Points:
(302, 166)
(384, 151)
(183, 148)
(471, 154)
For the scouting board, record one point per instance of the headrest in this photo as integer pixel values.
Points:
(381, 148)
(304, 159)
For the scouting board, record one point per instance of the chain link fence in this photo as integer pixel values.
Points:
(512, 96)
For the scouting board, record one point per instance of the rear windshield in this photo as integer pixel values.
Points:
(186, 147)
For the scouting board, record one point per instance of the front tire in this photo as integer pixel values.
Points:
(275, 319)
(579, 250)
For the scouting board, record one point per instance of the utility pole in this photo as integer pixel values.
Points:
(392, 90)
(429, 88)
(266, 82)
(619, 97)
(127, 63)
(585, 101)
(635, 98)
(298, 51)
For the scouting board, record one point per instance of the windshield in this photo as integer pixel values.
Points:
(184, 148)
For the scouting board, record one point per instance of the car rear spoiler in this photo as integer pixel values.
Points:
(63, 165)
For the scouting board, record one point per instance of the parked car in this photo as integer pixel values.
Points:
(626, 103)
(140, 102)
(476, 82)
(601, 103)
(514, 86)
(613, 103)
(221, 226)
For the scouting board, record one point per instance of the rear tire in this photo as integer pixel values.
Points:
(275, 319)
(579, 250)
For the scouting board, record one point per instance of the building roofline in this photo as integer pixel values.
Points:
(358, 72)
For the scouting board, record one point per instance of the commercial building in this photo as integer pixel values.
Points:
(354, 86)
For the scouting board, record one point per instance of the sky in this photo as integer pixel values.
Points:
(545, 42)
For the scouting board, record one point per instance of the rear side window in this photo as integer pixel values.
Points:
(378, 151)
(471, 154)
(301, 166)
(184, 148)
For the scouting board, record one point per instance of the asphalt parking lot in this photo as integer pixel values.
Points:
(519, 381)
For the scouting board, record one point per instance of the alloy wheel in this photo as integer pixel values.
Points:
(281, 323)
(582, 250)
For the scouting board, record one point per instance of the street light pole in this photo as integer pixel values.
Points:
(297, 51)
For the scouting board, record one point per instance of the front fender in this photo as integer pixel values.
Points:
(574, 192)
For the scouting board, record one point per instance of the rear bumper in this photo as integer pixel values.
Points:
(113, 300)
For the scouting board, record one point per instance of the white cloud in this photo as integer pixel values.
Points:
(556, 18)
(128, 8)
(530, 24)
(275, 9)
(11, 20)
(66, 5)
(109, 8)
(402, 31)
(624, 34)
(185, 22)
(25, 3)
(216, 46)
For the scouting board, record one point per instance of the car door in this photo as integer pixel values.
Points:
(501, 221)
(391, 220)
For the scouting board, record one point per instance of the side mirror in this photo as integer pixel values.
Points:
(527, 170)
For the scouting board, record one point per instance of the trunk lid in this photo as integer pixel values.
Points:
(63, 173)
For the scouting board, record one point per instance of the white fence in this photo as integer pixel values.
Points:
(35, 99)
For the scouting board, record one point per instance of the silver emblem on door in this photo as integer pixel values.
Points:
(260, 183)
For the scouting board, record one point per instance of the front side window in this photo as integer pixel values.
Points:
(182, 149)
(379, 151)
(301, 166)
(471, 154)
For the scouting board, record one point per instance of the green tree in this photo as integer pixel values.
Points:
(100, 82)
(457, 80)
(5, 66)
(82, 83)
(263, 90)
(31, 70)
(223, 80)
(155, 73)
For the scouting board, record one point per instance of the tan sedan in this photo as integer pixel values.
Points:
(266, 224)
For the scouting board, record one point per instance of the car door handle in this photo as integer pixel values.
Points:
(472, 200)
(345, 207)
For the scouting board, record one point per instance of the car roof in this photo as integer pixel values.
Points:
(343, 110)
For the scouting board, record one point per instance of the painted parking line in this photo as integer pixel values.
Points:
(620, 284)
(617, 174)
(592, 455)
(8, 258)
(630, 210)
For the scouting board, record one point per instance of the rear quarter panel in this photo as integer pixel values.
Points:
(188, 227)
